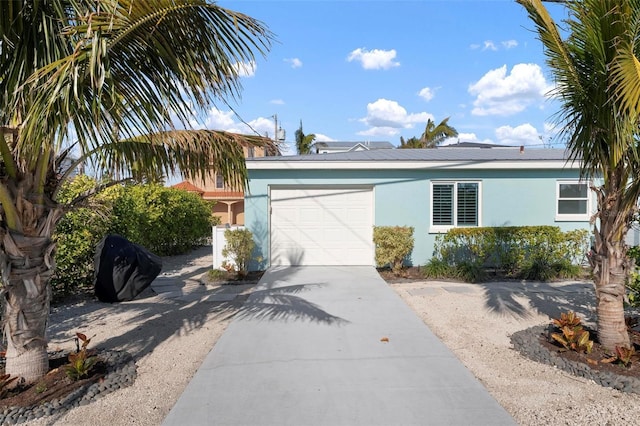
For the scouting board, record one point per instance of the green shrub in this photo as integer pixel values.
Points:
(537, 269)
(76, 236)
(393, 245)
(216, 275)
(565, 269)
(437, 268)
(239, 248)
(471, 272)
(633, 288)
(633, 280)
(530, 252)
(166, 221)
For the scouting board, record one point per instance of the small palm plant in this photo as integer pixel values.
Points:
(82, 361)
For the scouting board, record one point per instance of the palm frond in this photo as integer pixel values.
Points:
(625, 69)
(132, 68)
(195, 154)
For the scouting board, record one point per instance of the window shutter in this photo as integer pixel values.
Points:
(442, 204)
(467, 204)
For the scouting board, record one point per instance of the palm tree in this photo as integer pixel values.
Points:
(304, 143)
(110, 75)
(432, 136)
(597, 83)
(411, 143)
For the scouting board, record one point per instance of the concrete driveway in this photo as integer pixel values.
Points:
(331, 346)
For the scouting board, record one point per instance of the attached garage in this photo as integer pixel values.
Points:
(321, 225)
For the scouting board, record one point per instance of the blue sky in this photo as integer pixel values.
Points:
(378, 70)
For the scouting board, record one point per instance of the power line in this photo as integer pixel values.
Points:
(240, 118)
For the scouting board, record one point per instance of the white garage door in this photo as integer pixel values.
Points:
(322, 226)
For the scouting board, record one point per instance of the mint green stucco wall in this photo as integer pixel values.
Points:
(402, 197)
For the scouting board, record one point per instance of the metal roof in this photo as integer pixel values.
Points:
(428, 155)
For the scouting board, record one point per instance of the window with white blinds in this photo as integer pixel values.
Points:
(454, 204)
(442, 210)
(467, 205)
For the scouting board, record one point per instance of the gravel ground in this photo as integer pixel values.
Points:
(169, 338)
(475, 322)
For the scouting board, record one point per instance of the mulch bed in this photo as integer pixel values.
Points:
(595, 359)
(55, 384)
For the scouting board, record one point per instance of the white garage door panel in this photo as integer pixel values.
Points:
(330, 226)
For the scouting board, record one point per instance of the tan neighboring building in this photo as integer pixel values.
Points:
(229, 205)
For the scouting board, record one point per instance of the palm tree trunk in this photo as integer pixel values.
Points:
(610, 268)
(610, 291)
(27, 266)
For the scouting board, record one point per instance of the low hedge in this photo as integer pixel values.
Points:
(530, 252)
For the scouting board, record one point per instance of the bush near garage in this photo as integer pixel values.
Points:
(166, 221)
(393, 245)
(528, 252)
(172, 222)
(239, 248)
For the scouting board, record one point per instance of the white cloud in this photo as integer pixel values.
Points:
(385, 118)
(276, 102)
(295, 62)
(216, 119)
(246, 69)
(374, 59)
(551, 129)
(323, 138)
(262, 125)
(449, 141)
(380, 132)
(289, 148)
(427, 93)
(489, 45)
(509, 44)
(524, 134)
(499, 93)
(466, 137)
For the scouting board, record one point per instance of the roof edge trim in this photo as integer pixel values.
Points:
(409, 165)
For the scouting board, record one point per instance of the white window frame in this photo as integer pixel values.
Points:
(438, 229)
(573, 217)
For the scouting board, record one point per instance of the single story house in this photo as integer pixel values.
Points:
(321, 209)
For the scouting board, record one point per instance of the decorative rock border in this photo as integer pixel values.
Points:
(121, 372)
(527, 342)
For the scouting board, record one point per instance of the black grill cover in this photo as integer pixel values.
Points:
(123, 269)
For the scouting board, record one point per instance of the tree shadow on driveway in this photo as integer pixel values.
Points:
(146, 322)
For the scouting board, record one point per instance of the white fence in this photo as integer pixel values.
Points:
(633, 236)
(218, 242)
